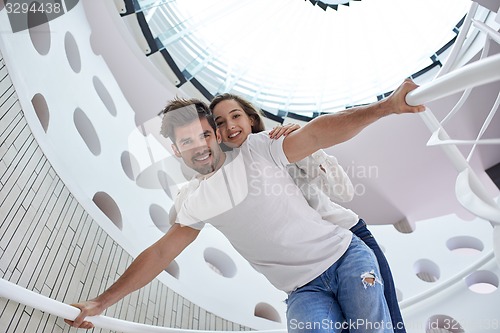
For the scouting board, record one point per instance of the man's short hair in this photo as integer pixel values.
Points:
(180, 112)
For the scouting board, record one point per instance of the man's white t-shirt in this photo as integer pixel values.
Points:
(254, 202)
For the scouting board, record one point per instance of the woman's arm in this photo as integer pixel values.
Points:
(320, 169)
(324, 171)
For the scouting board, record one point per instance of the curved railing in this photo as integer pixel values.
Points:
(21, 295)
(469, 190)
(472, 75)
(443, 286)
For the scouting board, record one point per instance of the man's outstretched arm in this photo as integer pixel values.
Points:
(143, 270)
(328, 130)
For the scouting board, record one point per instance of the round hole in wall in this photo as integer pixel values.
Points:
(96, 43)
(42, 110)
(129, 165)
(167, 183)
(443, 324)
(72, 52)
(39, 30)
(104, 95)
(464, 245)
(496, 240)
(267, 311)
(219, 262)
(427, 270)
(148, 177)
(482, 282)
(173, 269)
(109, 207)
(87, 131)
(159, 217)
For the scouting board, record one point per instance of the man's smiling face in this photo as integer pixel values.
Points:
(198, 145)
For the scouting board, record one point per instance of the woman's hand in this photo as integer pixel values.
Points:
(282, 130)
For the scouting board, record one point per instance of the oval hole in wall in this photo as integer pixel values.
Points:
(267, 311)
(87, 131)
(427, 270)
(464, 245)
(104, 95)
(173, 269)
(39, 30)
(109, 207)
(129, 165)
(72, 52)
(496, 240)
(159, 217)
(167, 183)
(443, 324)
(42, 110)
(219, 262)
(482, 282)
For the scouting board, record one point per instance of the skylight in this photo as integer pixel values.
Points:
(288, 55)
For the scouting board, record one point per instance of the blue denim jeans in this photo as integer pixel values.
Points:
(366, 236)
(343, 296)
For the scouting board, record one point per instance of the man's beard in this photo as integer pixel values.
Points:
(205, 169)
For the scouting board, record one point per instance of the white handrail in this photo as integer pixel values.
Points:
(441, 287)
(486, 124)
(21, 295)
(466, 93)
(489, 31)
(466, 195)
(480, 72)
(472, 75)
(436, 140)
(457, 46)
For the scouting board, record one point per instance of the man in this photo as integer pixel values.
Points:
(331, 277)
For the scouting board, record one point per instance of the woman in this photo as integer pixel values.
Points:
(320, 178)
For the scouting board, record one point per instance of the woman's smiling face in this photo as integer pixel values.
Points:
(233, 123)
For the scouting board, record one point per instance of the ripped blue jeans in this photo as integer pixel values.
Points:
(366, 236)
(348, 295)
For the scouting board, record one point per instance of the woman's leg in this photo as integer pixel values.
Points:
(366, 236)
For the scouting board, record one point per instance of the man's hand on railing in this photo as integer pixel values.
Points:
(398, 102)
(87, 309)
